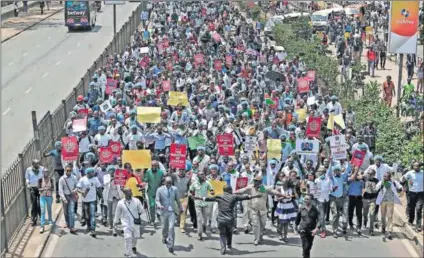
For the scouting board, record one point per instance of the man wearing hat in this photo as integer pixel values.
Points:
(88, 186)
(32, 175)
(258, 206)
(338, 198)
(102, 139)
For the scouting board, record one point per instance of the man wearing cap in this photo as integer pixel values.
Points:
(128, 212)
(153, 177)
(32, 175)
(258, 206)
(80, 104)
(102, 139)
(88, 186)
(338, 198)
(68, 193)
(56, 153)
(334, 106)
(202, 159)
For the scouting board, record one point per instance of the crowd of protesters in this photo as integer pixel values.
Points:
(236, 83)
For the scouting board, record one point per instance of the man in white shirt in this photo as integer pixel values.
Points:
(128, 212)
(88, 186)
(324, 187)
(380, 168)
(102, 139)
(334, 106)
(32, 175)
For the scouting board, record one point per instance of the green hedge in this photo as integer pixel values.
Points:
(391, 140)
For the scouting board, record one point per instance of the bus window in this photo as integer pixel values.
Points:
(319, 18)
(76, 6)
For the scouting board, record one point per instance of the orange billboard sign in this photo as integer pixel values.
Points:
(403, 30)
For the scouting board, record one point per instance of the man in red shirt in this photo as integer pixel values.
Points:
(371, 56)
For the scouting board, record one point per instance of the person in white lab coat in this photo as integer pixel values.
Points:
(111, 195)
(128, 212)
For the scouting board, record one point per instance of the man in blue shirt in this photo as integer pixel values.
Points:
(338, 198)
(56, 154)
(356, 185)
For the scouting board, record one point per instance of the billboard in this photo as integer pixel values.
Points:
(403, 27)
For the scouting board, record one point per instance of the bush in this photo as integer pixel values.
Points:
(413, 150)
(391, 138)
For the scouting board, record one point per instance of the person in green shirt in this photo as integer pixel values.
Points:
(153, 177)
(408, 88)
(201, 188)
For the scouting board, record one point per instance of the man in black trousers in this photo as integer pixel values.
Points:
(226, 218)
(307, 225)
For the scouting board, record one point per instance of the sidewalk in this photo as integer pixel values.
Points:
(28, 241)
(15, 25)
(400, 219)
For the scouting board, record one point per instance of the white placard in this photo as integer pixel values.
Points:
(79, 125)
(105, 106)
(304, 146)
(250, 143)
(310, 101)
(144, 50)
(338, 147)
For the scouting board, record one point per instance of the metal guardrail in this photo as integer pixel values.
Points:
(14, 196)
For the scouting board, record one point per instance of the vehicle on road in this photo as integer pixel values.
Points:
(320, 19)
(80, 14)
(356, 10)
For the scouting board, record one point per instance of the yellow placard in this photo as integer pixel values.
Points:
(137, 158)
(368, 30)
(218, 186)
(176, 98)
(148, 114)
(274, 149)
(339, 120)
(301, 113)
(330, 124)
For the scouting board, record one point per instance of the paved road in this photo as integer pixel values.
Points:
(41, 66)
(62, 244)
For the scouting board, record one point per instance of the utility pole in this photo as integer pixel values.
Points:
(114, 19)
(399, 86)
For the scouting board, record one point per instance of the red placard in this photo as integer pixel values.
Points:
(177, 158)
(106, 155)
(166, 85)
(120, 178)
(358, 158)
(241, 182)
(142, 64)
(302, 85)
(218, 65)
(251, 4)
(198, 59)
(229, 60)
(111, 85)
(83, 112)
(79, 125)
(311, 75)
(225, 144)
(115, 147)
(314, 127)
(69, 148)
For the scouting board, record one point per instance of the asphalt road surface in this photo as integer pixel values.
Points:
(63, 244)
(41, 66)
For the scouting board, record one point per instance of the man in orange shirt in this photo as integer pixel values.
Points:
(388, 91)
(371, 56)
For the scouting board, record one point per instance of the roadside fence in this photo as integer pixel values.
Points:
(14, 196)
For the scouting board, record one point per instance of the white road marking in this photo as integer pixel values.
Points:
(45, 75)
(78, 44)
(28, 90)
(7, 111)
(69, 53)
(58, 63)
(24, 54)
(11, 63)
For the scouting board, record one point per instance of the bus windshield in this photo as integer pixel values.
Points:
(319, 17)
(76, 6)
